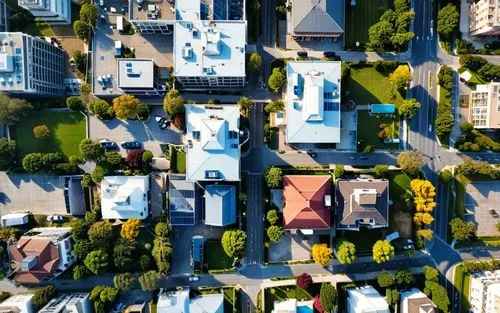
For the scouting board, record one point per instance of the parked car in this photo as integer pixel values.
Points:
(129, 145)
(108, 144)
(194, 278)
(312, 154)
(331, 55)
(364, 157)
(302, 54)
(55, 218)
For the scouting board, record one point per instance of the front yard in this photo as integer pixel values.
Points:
(177, 161)
(216, 257)
(288, 292)
(364, 239)
(400, 212)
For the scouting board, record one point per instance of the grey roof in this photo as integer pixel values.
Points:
(220, 205)
(362, 203)
(183, 202)
(313, 17)
(74, 195)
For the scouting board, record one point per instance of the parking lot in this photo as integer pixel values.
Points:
(39, 194)
(481, 197)
(292, 247)
(163, 10)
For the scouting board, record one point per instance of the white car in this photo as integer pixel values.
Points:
(194, 278)
(55, 218)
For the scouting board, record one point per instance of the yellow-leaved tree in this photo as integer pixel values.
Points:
(130, 229)
(321, 253)
(423, 198)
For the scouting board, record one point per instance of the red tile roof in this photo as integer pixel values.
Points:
(304, 201)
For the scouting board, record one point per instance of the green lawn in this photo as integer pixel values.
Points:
(368, 128)
(461, 281)
(475, 79)
(400, 211)
(216, 257)
(479, 242)
(143, 238)
(364, 239)
(67, 129)
(358, 19)
(288, 292)
(178, 161)
(399, 184)
(461, 184)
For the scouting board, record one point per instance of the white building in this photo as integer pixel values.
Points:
(124, 197)
(14, 219)
(313, 102)
(210, 54)
(69, 303)
(484, 106)
(292, 306)
(484, 295)
(484, 18)
(22, 303)
(139, 77)
(213, 149)
(50, 11)
(31, 66)
(179, 302)
(415, 301)
(365, 300)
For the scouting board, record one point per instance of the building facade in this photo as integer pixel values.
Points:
(484, 295)
(484, 18)
(50, 11)
(484, 106)
(31, 66)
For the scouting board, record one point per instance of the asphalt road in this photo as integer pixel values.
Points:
(254, 214)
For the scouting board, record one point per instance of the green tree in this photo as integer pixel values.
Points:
(234, 242)
(123, 281)
(113, 158)
(276, 105)
(447, 20)
(385, 279)
(103, 298)
(80, 272)
(404, 278)
(445, 77)
(439, 295)
(409, 107)
(346, 252)
(163, 229)
(90, 149)
(461, 230)
(101, 234)
(380, 170)
(276, 80)
(96, 261)
(273, 177)
(42, 296)
(162, 252)
(82, 248)
(103, 109)
(328, 297)
(431, 273)
(401, 76)
(124, 255)
(79, 230)
(144, 262)
(272, 217)
(383, 251)
(74, 103)
(245, 105)
(379, 35)
(339, 170)
(81, 30)
(275, 233)
(7, 153)
(444, 121)
(143, 112)
(254, 62)
(12, 109)
(89, 13)
(173, 103)
(126, 106)
(446, 176)
(150, 281)
(33, 163)
(99, 173)
(410, 162)
(392, 296)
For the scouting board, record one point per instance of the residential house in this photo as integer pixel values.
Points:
(362, 203)
(220, 205)
(484, 17)
(69, 303)
(139, 77)
(56, 12)
(184, 206)
(415, 301)
(307, 201)
(212, 136)
(292, 306)
(484, 106)
(124, 197)
(365, 300)
(179, 302)
(21, 303)
(317, 20)
(313, 102)
(484, 293)
(41, 254)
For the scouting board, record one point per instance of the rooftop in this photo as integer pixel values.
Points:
(209, 48)
(179, 302)
(184, 207)
(21, 303)
(152, 10)
(220, 205)
(136, 73)
(13, 69)
(74, 195)
(367, 299)
(68, 303)
(313, 102)
(316, 17)
(124, 197)
(415, 301)
(188, 10)
(213, 142)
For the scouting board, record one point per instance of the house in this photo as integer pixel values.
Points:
(197, 252)
(139, 77)
(317, 20)
(178, 301)
(484, 18)
(184, 206)
(41, 254)
(484, 293)
(484, 105)
(69, 303)
(365, 300)
(307, 201)
(31, 66)
(292, 306)
(21, 303)
(313, 102)
(124, 197)
(213, 150)
(415, 301)
(220, 205)
(57, 12)
(362, 203)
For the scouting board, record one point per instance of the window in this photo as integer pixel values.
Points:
(331, 106)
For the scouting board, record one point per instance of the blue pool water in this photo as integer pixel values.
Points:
(383, 108)
(304, 309)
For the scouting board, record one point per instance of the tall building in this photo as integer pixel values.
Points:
(31, 66)
(484, 296)
(50, 11)
(484, 106)
(69, 303)
(484, 18)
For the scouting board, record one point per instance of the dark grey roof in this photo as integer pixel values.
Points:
(183, 201)
(75, 196)
(312, 17)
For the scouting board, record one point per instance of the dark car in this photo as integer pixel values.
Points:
(108, 144)
(312, 154)
(331, 55)
(129, 145)
(302, 54)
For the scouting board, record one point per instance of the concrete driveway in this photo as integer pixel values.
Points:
(149, 134)
(39, 194)
(479, 199)
(292, 247)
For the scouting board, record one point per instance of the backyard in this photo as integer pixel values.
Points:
(289, 292)
(400, 211)
(216, 257)
(177, 161)
(67, 129)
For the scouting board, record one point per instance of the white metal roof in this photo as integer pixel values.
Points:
(367, 299)
(124, 197)
(135, 73)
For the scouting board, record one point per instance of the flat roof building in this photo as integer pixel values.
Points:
(210, 54)
(317, 19)
(49, 11)
(293, 306)
(74, 195)
(365, 300)
(22, 303)
(139, 77)
(124, 197)
(484, 106)
(69, 303)
(31, 66)
(220, 205)
(484, 294)
(212, 135)
(313, 102)
(484, 18)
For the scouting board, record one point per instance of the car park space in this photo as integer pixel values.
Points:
(481, 204)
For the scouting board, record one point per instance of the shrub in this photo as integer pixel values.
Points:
(74, 103)
(275, 233)
(41, 132)
(272, 217)
(304, 281)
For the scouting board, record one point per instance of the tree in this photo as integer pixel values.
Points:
(423, 195)
(101, 234)
(409, 107)
(447, 20)
(123, 281)
(461, 230)
(426, 234)
(272, 217)
(163, 229)
(144, 262)
(346, 252)
(134, 158)
(385, 279)
(102, 109)
(82, 248)
(234, 242)
(80, 272)
(321, 254)
(444, 120)
(276, 105)
(339, 170)
(162, 251)
(410, 162)
(7, 153)
(392, 296)
(369, 149)
(275, 233)
(273, 177)
(382, 251)
(304, 281)
(42, 296)
(401, 76)
(12, 109)
(79, 230)
(445, 77)
(74, 103)
(404, 278)
(379, 35)
(123, 255)
(276, 80)
(328, 297)
(150, 281)
(431, 273)
(113, 158)
(446, 176)
(99, 173)
(41, 131)
(173, 103)
(245, 105)
(85, 89)
(254, 62)
(32, 163)
(130, 229)
(473, 62)
(126, 106)
(143, 112)
(96, 261)
(90, 149)
(439, 295)
(103, 297)
(89, 13)
(380, 170)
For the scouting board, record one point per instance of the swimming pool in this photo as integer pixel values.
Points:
(304, 309)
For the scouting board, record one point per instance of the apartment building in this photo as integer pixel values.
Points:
(484, 106)
(50, 11)
(484, 296)
(31, 66)
(484, 18)
(69, 303)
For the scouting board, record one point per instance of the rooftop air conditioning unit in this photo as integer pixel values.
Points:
(328, 200)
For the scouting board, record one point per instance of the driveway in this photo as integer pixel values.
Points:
(479, 199)
(292, 247)
(149, 134)
(39, 194)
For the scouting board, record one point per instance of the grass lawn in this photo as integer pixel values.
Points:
(288, 292)
(360, 18)
(39, 29)
(216, 257)
(461, 281)
(364, 239)
(400, 211)
(178, 161)
(143, 238)
(474, 79)
(479, 242)
(461, 185)
(368, 128)
(67, 129)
